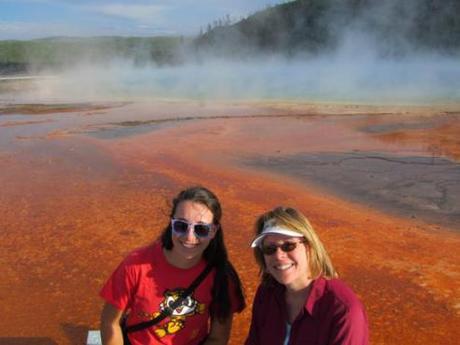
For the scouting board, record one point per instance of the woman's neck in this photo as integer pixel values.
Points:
(297, 287)
(296, 298)
(178, 261)
(298, 292)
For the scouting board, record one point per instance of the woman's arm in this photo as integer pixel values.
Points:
(110, 325)
(350, 327)
(257, 305)
(220, 331)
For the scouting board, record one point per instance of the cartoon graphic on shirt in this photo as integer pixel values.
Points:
(189, 307)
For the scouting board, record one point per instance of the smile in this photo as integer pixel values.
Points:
(283, 267)
(189, 245)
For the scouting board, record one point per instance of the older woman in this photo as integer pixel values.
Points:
(300, 300)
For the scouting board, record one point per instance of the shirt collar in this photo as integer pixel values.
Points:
(317, 291)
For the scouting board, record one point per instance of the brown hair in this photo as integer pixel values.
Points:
(215, 254)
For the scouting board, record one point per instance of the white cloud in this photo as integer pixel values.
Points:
(26, 30)
(19, 30)
(137, 12)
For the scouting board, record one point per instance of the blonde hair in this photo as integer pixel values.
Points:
(290, 218)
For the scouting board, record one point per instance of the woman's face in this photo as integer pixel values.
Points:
(288, 268)
(188, 248)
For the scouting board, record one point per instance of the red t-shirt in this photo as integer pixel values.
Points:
(145, 281)
(332, 315)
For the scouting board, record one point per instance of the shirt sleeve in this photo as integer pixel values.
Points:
(119, 287)
(350, 326)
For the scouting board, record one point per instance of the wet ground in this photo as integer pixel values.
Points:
(408, 186)
(81, 185)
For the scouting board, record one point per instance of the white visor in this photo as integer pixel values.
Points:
(274, 230)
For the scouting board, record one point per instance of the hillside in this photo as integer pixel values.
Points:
(61, 52)
(390, 27)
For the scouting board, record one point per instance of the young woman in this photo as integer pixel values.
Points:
(299, 300)
(151, 278)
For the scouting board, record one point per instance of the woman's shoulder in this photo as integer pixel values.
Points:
(269, 289)
(338, 291)
(142, 255)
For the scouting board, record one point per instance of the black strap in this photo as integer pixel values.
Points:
(169, 309)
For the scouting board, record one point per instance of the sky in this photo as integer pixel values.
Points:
(29, 19)
(355, 72)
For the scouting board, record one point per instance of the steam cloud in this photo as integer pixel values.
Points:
(341, 77)
(354, 72)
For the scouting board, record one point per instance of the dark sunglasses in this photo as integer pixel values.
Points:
(180, 228)
(285, 247)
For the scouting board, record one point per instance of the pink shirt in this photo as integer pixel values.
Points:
(332, 315)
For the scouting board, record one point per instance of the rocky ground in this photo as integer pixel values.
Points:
(83, 185)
